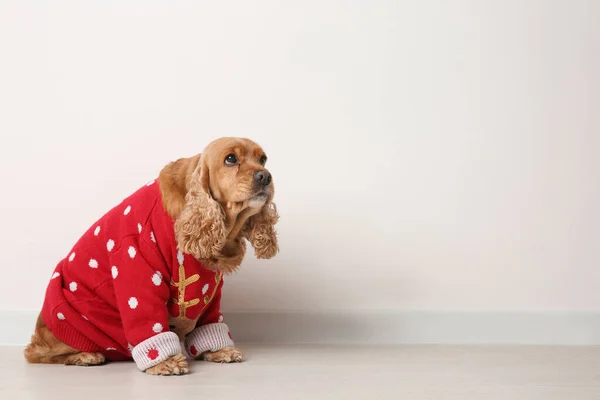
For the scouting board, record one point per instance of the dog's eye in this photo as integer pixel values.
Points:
(263, 160)
(231, 159)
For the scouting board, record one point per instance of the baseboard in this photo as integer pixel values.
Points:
(465, 328)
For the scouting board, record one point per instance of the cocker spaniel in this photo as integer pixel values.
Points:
(146, 278)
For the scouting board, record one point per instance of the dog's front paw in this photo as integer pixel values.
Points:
(176, 365)
(225, 355)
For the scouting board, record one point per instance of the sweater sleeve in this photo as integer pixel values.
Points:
(210, 333)
(142, 294)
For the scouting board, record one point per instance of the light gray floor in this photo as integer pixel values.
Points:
(318, 372)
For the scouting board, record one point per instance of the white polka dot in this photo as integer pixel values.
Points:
(55, 275)
(97, 231)
(131, 251)
(139, 228)
(157, 327)
(157, 278)
(220, 318)
(60, 316)
(93, 263)
(111, 349)
(110, 245)
(73, 286)
(72, 257)
(150, 183)
(127, 210)
(114, 271)
(152, 237)
(180, 257)
(133, 303)
(84, 317)
(205, 288)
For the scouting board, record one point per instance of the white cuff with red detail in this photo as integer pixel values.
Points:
(210, 337)
(155, 350)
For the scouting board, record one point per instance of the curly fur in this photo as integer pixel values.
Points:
(260, 232)
(200, 228)
(230, 258)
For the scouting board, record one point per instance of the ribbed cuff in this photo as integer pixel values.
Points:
(155, 350)
(210, 337)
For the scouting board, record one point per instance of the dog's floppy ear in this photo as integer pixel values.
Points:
(174, 181)
(259, 230)
(199, 220)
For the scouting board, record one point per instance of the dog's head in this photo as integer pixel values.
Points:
(206, 194)
(234, 171)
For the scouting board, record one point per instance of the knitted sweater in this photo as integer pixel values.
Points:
(122, 284)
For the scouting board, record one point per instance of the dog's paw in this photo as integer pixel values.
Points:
(176, 365)
(85, 359)
(225, 355)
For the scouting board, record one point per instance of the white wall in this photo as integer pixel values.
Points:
(428, 155)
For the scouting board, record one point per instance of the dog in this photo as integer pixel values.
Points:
(144, 282)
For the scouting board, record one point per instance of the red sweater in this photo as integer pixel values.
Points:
(122, 282)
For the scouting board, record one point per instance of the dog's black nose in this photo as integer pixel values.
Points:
(262, 178)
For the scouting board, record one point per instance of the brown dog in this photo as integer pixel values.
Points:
(158, 259)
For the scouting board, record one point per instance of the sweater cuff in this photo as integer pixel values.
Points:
(210, 337)
(155, 350)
